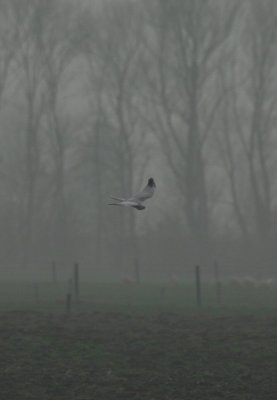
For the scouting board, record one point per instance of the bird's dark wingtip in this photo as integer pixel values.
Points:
(151, 182)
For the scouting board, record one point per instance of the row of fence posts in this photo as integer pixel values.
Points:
(198, 286)
(73, 285)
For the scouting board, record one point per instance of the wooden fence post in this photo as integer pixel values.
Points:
(68, 297)
(76, 281)
(217, 283)
(198, 286)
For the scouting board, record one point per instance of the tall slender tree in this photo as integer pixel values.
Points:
(186, 49)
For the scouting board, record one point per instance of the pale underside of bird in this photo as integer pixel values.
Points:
(136, 200)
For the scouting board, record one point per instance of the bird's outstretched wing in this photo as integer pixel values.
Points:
(136, 200)
(117, 198)
(145, 193)
(124, 203)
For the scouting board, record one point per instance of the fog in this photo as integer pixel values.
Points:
(96, 97)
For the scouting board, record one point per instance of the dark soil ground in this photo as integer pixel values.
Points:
(114, 355)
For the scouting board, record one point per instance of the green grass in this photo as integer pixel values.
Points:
(145, 297)
(137, 342)
(133, 355)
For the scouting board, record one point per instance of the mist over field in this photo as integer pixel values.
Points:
(98, 96)
(169, 105)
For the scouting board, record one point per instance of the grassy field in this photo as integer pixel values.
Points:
(129, 342)
(42, 296)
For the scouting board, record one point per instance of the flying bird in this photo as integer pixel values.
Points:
(137, 200)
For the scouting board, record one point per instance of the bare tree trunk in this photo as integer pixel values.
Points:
(189, 38)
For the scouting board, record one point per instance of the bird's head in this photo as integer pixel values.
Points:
(151, 182)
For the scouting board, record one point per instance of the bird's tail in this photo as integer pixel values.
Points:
(117, 198)
(114, 204)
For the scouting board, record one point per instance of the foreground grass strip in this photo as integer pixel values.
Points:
(113, 355)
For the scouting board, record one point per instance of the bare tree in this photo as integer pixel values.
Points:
(254, 110)
(39, 63)
(257, 138)
(8, 48)
(55, 22)
(30, 71)
(8, 45)
(114, 53)
(229, 150)
(246, 132)
(188, 38)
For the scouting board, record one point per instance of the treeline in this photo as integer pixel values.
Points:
(97, 96)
